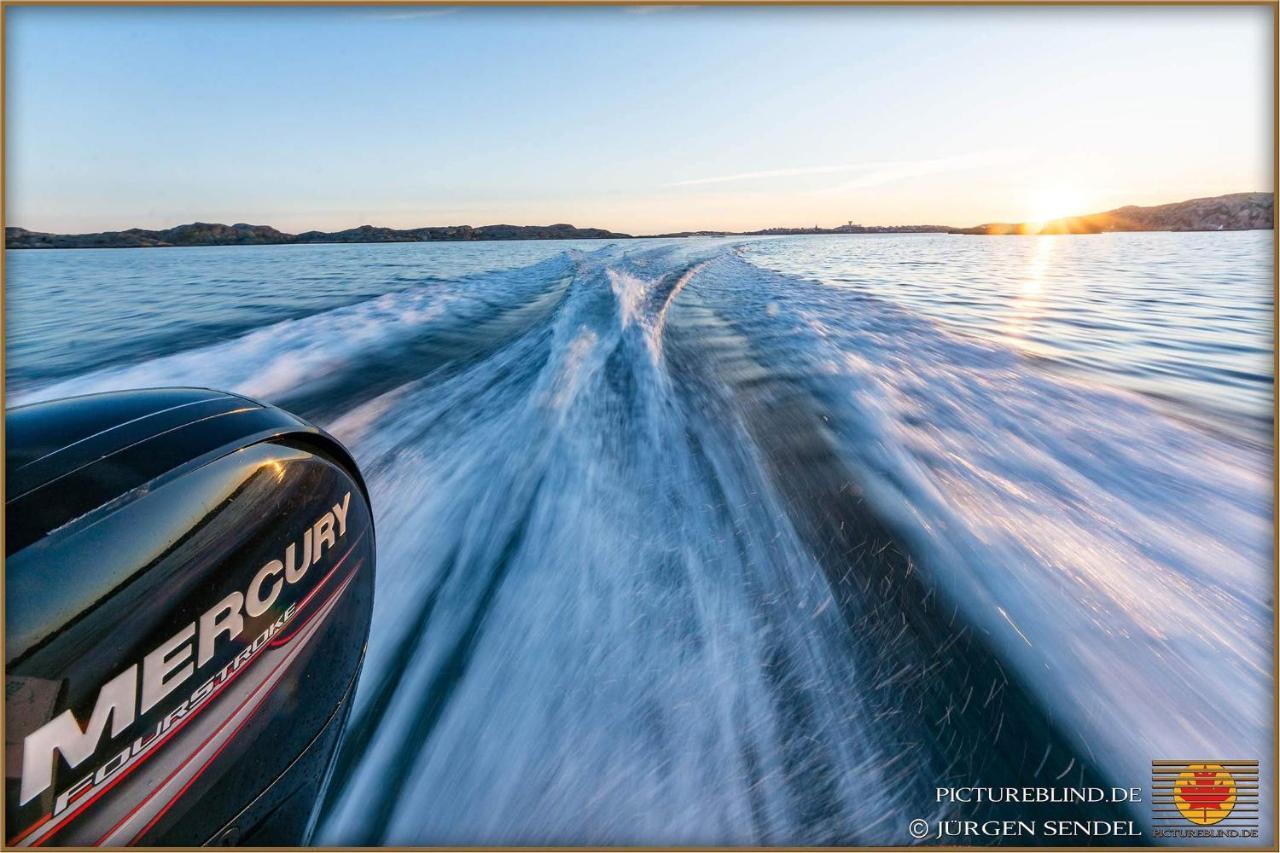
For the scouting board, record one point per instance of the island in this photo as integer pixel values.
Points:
(241, 234)
(1235, 212)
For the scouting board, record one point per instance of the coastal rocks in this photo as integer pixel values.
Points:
(1235, 212)
(241, 234)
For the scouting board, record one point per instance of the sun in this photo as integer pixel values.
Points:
(1050, 203)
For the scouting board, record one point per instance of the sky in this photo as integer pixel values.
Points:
(639, 119)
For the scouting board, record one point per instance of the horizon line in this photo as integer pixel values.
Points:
(553, 224)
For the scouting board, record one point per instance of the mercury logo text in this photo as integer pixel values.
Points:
(142, 686)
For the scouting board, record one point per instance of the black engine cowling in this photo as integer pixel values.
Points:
(188, 591)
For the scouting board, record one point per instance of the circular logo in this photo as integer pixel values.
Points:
(1204, 793)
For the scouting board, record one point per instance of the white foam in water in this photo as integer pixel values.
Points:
(279, 360)
(268, 363)
(596, 620)
(621, 671)
(1121, 556)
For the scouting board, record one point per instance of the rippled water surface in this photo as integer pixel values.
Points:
(1185, 317)
(748, 541)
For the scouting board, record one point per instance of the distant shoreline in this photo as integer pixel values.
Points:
(955, 232)
(1235, 212)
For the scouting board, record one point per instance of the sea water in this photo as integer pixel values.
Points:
(749, 541)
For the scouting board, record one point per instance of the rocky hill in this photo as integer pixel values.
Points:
(816, 229)
(1235, 212)
(240, 234)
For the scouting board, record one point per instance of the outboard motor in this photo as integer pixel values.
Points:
(189, 583)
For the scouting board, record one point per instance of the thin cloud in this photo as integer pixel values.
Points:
(875, 173)
(889, 173)
(775, 173)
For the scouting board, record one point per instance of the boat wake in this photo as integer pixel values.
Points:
(677, 550)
